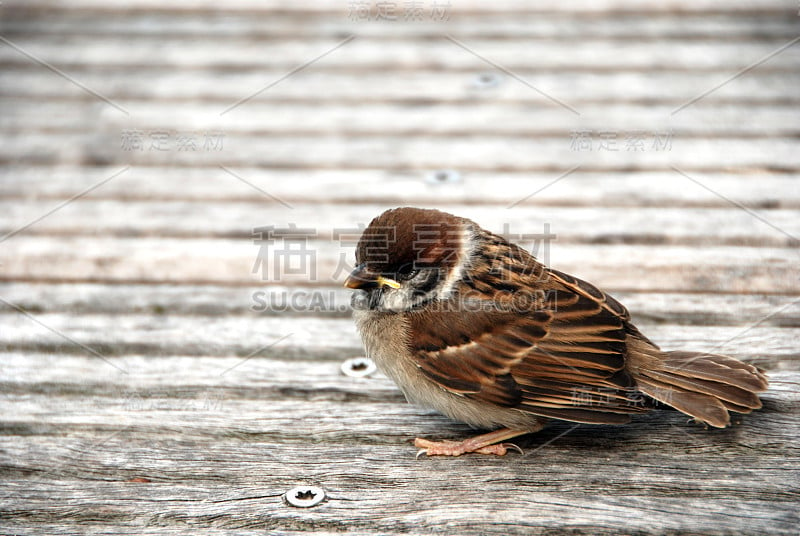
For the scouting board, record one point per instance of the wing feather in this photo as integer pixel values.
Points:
(567, 361)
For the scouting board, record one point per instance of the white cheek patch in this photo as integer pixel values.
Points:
(465, 255)
(396, 300)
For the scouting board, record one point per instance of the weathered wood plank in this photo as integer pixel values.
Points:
(388, 150)
(419, 87)
(765, 190)
(477, 119)
(655, 24)
(564, 225)
(311, 337)
(508, 7)
(283, 24)
(231, 471)
(757, 190)
(226, 261)
(314, 408)
(203, 383)
(73, 50)
(702, 308)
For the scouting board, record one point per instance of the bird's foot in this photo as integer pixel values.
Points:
(457, 448)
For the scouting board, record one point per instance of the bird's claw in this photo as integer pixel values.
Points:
(456, 448)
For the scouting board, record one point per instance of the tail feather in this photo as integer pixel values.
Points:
(725, 392)
(738, 409)
(700, 406)
(718, 368)
(705, 386)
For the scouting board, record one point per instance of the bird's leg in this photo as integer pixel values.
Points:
(490, 443)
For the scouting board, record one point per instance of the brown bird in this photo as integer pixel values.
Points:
(475, 327)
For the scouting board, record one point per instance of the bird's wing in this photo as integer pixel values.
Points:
(564, 360)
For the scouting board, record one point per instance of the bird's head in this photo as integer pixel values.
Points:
(408, 257)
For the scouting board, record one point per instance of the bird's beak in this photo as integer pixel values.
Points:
(364, 279)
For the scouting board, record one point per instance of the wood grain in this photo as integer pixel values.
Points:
(769, 23)
(756, 190)
(242, 445)
(423, 88)
(152, 383)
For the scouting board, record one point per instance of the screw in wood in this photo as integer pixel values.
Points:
(486, 80)
(444, 176)
(358, 367)
(304, 496)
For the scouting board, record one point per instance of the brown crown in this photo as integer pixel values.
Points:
(410, 236)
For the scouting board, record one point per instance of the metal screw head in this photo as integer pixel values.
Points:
(304, 496)
(358, 367)
(486, 80)
(444, 176)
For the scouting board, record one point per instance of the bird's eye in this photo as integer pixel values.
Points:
(407, 271)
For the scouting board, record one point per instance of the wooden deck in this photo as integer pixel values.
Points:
(145, 390)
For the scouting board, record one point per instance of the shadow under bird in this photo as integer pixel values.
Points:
(469, 324)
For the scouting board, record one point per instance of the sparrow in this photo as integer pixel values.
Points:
(473, 326)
